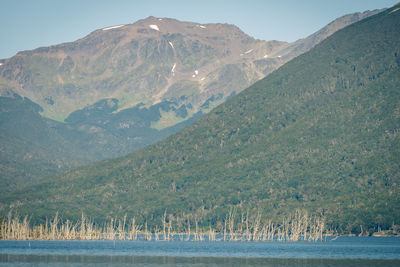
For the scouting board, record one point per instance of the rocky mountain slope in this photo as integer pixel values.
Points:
(150, 61)
(320, 133)
(147, 62)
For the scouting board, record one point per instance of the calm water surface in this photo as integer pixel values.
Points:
(344, 251)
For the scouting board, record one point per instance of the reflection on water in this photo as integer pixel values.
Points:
(344, 251)
(86, 260)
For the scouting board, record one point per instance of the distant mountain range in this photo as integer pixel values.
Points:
(321, 133)
(124, 87)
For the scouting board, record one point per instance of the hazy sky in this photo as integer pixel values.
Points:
(28, 24)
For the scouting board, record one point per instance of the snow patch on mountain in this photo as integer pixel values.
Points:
(154, 27)
(196, 72)
(173, 69)
(113, 27)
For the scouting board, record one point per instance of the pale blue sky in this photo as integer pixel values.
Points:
(28, 24)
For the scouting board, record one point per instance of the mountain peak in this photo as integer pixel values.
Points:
(173, 26)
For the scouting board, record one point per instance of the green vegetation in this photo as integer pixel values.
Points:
(34, 147)
(320, 134)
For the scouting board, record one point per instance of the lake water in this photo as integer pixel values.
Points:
(343, 251)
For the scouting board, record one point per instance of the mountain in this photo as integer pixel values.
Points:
(124, 87)
(321, 133)
(151, 61)
(303, 45)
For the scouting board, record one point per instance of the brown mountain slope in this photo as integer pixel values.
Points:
(150, 61)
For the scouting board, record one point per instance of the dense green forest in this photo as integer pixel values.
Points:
(33, 147)
(319, 134)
